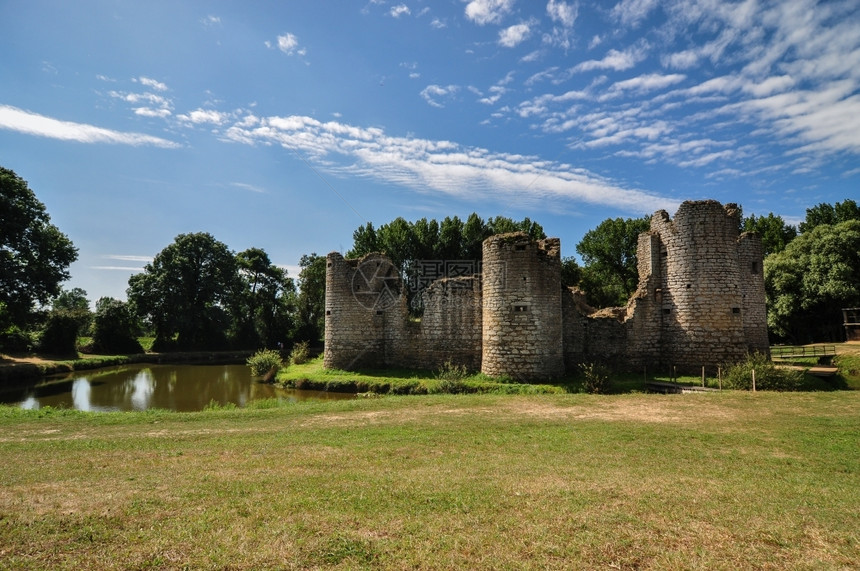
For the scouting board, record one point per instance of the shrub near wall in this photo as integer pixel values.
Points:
(768, 377)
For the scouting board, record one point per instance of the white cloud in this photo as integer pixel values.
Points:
(438, 24)
(399, 10)
(211, 21)
(645, 83)
(152, 83)
(515, 35)
(288, 44)
(442, 167)
(433, 93)
(488, 11)
(30, 123)
(199, 116)
(562, 12)
(614, 60)
(632, 12)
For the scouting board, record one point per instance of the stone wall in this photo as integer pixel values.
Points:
(700, 302)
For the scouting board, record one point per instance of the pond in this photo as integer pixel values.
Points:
(182, 388)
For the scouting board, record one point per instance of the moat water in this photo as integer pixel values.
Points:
(182, 388)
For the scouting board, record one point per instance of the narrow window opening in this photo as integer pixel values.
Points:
(667, 311)
(754, 267)
(521, 308)
(328, 312)
(520, 246)
(736, 310)
(379, 312)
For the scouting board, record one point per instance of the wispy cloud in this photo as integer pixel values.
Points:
(22, 121)
(614, 60)
(443, 167)
(434, 94)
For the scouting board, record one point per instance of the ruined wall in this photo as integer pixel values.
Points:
(700, 301)
(522, 319)
(450, 329)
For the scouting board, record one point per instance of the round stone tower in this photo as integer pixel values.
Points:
(522, 318)
(702, 295)
(358, 294)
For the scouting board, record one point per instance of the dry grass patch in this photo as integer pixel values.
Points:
(764, 481)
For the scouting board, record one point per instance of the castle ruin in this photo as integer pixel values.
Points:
(700, 302)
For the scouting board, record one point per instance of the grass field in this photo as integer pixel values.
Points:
(718, 481)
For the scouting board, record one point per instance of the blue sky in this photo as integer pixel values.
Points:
(285, 125)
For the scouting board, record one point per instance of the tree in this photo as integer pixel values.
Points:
(413, 247)
(809, 282)
(311, 298)
(775, 234)
(186, 292)
(265, 304)
(610, 273)
(830, 214)
(34, 254)
(115, 327)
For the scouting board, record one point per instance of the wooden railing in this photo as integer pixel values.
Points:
(795, 352)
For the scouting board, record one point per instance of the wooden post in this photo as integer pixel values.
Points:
(720, 377)
(703, 375)
(753, 376)
(674, 373)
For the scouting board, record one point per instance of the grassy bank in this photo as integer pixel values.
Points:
(394, 381)
(729, 480)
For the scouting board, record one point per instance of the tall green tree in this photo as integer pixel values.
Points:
(264, 306)
(311, 298)
(186, 292)
(775, 234)
(809, 283)
(610, 273)
(34, 254)
(830, 214)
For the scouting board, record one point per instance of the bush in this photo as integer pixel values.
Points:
(14, 340)
(768, 377)
(300, 354)
(60, 335)
(595, 377)
(265, 362)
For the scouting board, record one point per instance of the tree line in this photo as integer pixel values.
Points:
(198, 294)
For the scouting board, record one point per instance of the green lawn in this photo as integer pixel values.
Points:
(722, 480)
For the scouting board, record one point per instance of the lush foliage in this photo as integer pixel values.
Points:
(610, 273)
(264, 362)
(264, 303)
(34, 254)
(775, 234)
(809, 283)
(411, 245)
(60, 334)
(830, 214)
(768, 377)
(115, 328)
(311, 299)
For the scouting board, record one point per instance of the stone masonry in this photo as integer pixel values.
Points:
(700, 302)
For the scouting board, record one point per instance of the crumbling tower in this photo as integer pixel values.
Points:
(522, 318)
(710, 289)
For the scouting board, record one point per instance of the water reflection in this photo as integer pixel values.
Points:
(145, 386)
